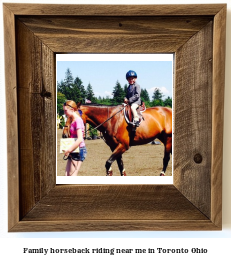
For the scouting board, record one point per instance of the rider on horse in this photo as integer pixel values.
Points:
(133, 95)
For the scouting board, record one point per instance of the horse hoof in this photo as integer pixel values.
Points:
(123, 173)
(109, 173)
(162, 174)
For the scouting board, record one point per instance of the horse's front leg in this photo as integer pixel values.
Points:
(108, 164)
(121, 166)
(116, 155)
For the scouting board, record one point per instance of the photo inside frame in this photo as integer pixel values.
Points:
(99, 82)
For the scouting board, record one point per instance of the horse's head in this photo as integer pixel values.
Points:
(65, 132)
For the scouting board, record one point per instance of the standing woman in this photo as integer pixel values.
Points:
(75, 130)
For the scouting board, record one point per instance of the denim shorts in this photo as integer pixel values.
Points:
(79, 156)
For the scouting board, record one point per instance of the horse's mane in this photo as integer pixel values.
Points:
(100, 105)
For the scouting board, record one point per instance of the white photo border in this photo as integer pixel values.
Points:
(91, 180)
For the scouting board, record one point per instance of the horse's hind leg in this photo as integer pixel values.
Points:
(167, 151)
(165, 163)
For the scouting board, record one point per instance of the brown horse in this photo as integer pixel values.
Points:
(119, 135)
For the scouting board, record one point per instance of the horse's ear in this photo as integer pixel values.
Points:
(79, 104)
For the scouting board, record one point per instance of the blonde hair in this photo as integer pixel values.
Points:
(74, 106)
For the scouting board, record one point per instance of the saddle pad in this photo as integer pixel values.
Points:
(128, 113)
(66, 143)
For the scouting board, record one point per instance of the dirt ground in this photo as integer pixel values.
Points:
(145, 160)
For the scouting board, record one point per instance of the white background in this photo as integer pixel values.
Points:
(217, 243)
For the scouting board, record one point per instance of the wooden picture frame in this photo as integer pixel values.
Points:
(33, 34)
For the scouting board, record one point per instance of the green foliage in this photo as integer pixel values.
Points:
(168, 102)
(158, 99)
(157, 95)
(73, 89)
(157, 103)
(69, 78)
(118, 94)
(125, 88)
(78, 85)
(60, 101)
(92, 131)
(90, 94)
(105, 101)
(144, 95)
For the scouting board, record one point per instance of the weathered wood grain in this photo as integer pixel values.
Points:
(114, 225)
(218, 115)
(11, 116)
(36, 99)
(115, 34)
(195, 33)
(193, 114)
(100, 203)
(114, 10)
(112, 208)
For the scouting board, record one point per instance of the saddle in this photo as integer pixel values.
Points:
(128, 113)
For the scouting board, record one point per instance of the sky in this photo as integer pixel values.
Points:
(102, 71)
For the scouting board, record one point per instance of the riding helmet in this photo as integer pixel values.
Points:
(131, 74)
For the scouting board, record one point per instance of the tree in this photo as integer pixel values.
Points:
(75, 94)
(60, 86)
(90, 93)
(118, 94)
(79, 85)
(144, 95)
(157, 94)
(125, 89)
(72, 89)
(66, 85)
(69, 78)
(157, 97)
(105, 101)
(168, 102)
(60, 101)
